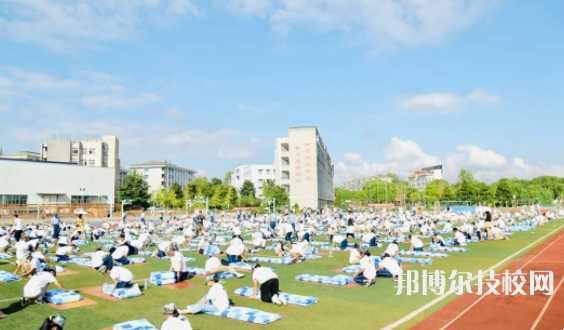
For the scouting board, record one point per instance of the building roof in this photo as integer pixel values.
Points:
(154, 163)
(38, 162)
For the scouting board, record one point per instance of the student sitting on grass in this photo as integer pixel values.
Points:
(340, 241)
(354, 258)
(497, 233)
(258, 240)
(29, 265)
(162, 249)
(203, 244)
(392, 265)
(297, 250)
(393, 249)
(438, 239)
(178, 265)
(122, 277)
(119, 255)
(63, 252)
(288, 231)
(416, 244)
(459, 237)
(236, 251)
(215, 301)
(370, 238)
(54, 322)
(37, 286)
(63, 241)
(213, 266)
(367, 273)
(174, 321)
(100, 258)
(269, 285)
(281, 249)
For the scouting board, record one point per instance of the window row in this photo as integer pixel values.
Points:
(13, 199)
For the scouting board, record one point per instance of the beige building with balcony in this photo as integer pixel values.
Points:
(303, 167)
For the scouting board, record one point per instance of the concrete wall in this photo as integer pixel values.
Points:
(35, 179)
(59, 150)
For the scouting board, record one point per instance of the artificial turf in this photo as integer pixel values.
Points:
(338, 307)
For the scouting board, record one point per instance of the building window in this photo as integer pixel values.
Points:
(91, 151)
(84, 162)
(146, 177)
(83, 151)
(13, 199)
(260, 171)
(75, 151)
(91, 162)
(267, 172)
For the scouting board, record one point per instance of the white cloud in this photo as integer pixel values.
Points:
(58, 23)
(402, 157)
(449, 102)
(246, 108)
(175, 113)
(120, 101)
(384, 23)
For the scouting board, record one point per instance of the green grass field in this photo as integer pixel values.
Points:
(338, 308)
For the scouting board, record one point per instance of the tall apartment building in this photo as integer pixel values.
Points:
(258, 174)
(303, 167)
(161, 175)
(421, 178)
(358, 184)
(90, 151)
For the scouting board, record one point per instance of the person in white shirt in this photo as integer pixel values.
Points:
(392, 265)
(22, 247)
(296, 251)
(236, 251)
(162, 249)
(354, 257)
(18, 228)
(340, 241)
(459, 237)
(288, 231)
(178, 265)
(416, 244)
(269, 285)
(119, 255)
(38, 285)
(180, 241)
(122, 277)
(100, 258)
(393, 249)
(203, 244)
(63, 252)
(370, 238)
(215, 301)
(367, 273)
(497, 233)
(29, 265)
(174, 320)
(63, 241)
(438, 239)
(213, 266)
(4, 244)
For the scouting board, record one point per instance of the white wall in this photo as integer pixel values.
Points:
(252, 173)
(35, 178)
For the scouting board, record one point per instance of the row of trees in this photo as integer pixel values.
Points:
(544, 189)
(220, 194)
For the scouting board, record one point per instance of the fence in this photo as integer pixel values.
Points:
(96, 210)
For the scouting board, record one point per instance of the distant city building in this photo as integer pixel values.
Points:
(258, 174)
(358, 184)
(91, 151)
(303, 167)
(162, 174)
(32, 182)
(421, 178)
(23, 155)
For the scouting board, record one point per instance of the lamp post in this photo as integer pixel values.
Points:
(82, 190)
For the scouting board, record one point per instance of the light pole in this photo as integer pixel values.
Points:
(273, 202)
(123, 202)
(200, 200)
(82, 190)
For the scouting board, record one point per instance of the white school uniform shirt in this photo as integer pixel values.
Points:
(177, 323)
(236, 231)
(392, 266)
(179, 240)
(367, 263)
(21, 248)
(417, 243)
(38, 255)
(441, 239)
(164, 245)
(354, 255)
(121, 274)
(218, 297)
(262, 274)
(288, 228)
(98, 258)
(460, 237)
(120, 252)
(19, 224)
(64, 250)
(36, 283)
(212, 263)
(63, 240)
(338, 238)
(235, 249)
(392, 249)
(35, 264)
(259, 241)
(4, 241)
(178, 262)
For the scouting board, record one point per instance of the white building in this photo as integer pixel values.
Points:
(23, 155)
(421, 178)
(258, 174)
(33, 182)
(303, 166)
(358, 184)
(161, 175)
(89, 151)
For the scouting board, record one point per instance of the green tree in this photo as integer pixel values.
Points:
(216, 181)
(177, 190)
(465, 176)
(248, 189)
(135, 188)
(227, 178)
(189, 191)
(203, 187)
(431, 194)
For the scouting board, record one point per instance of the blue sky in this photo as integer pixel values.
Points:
(392, 85)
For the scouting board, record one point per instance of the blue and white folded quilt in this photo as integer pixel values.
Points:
(135, 325)
(132, 291)
(59, 269)
(245, 314)
(145, 253)
(416, 260)
(5, 256)
(79, 242)
(244, 266)
(447, 249)
(187, 249)
(162, 278)
(280, 261)
(355, 268)
(135, 260)
(59, 297)
(422, 254)
(104, 241)
(202, 272)
(308, 257)
(271, 248)
(8, 277)
(212, 250)
(332, 280)
(293, 299)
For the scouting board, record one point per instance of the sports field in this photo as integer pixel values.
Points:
(375, 307)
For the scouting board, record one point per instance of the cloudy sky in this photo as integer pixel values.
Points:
(392, 85)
